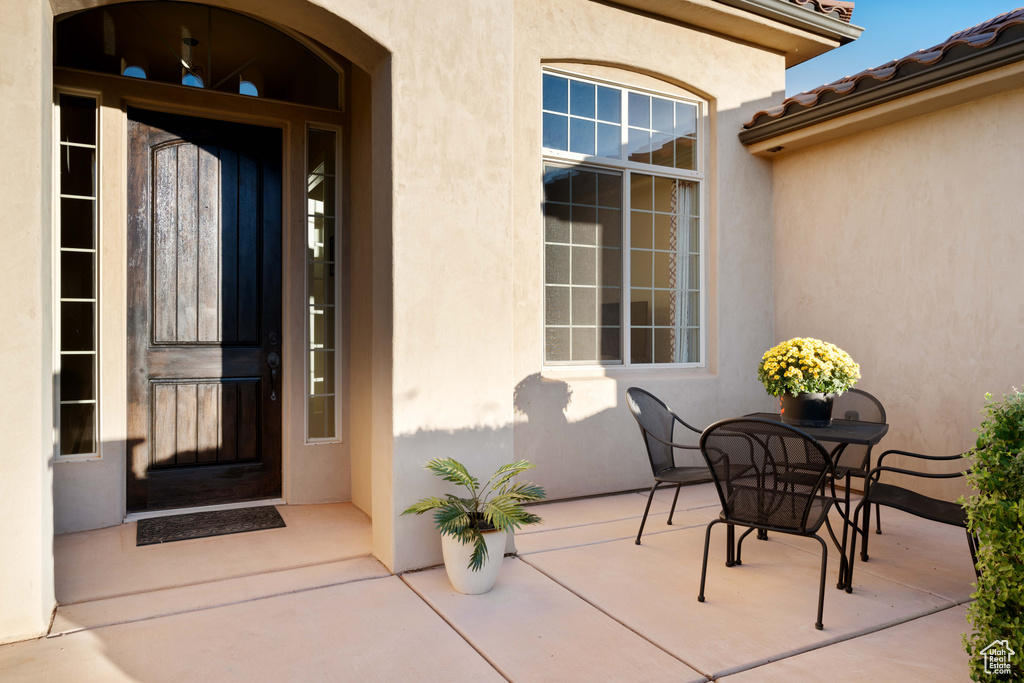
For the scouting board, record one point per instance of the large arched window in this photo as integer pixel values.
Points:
(623, 235)
(198, 46)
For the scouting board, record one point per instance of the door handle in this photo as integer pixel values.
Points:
(274, 361)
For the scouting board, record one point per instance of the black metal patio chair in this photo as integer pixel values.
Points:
(761, 469)
(890, 495)
(857, 404)
(657, 426)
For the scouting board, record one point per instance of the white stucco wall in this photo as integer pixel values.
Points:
(902, 245)
(452, 240)
(449, 298)
(26, 402)
(574, 423)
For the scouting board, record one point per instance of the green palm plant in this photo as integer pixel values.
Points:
(497, 505)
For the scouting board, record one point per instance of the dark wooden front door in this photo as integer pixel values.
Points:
(204, 311)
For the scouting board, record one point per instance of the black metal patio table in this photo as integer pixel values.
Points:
(842, 433)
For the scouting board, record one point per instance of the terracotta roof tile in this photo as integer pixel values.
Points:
(837, 9)
(976, 37)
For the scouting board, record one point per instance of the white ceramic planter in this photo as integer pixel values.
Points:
(456, 563)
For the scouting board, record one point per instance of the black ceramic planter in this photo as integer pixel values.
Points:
(806, 410)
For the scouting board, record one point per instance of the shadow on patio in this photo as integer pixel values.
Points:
(580, 602)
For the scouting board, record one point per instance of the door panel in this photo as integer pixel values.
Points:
(204, 311)
(206, 246)
(200, 422)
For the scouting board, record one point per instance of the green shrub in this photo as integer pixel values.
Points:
(995, 514)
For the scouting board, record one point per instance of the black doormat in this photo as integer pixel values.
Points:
(203, 524)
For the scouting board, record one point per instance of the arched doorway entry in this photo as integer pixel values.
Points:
(223, 135)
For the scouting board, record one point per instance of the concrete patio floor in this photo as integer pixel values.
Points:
(580, 601)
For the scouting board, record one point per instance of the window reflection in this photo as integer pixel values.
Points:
(620, 286)
(664, 270)
(321, 286)
(583, 265)
(587, 118)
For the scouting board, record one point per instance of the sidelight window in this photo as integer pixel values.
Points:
(623, 257)
(321, 286)
(77, 366)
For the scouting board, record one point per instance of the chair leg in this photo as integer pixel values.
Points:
(821, 583)
(853, 547)
(646, 510)
(864, 532)
(704, 565)
(867, 526)
(878, 519)
(843, 567)
(674, 499)
(738, 559)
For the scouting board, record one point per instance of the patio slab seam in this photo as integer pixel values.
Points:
(204, 608)
(247, 575)
(867, 568)
(462, 634)
(740, 668)
(616, 619)
(527, 532)
(773, 657)
(647, 533)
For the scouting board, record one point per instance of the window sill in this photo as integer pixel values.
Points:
(86, 457)
(633, 373)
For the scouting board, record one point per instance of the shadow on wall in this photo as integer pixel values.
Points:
(585, 441)
(576, 454)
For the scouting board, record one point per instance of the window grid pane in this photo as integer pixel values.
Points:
(664, 270)
(582, 265)
(78, 394)
(321, 285)
(662, 132)
(581, 117)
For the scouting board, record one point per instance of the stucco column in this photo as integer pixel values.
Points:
(26, 412)
(451, 249)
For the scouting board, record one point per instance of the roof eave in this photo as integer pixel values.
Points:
(793, 15)
(778, 25)
(898, 88)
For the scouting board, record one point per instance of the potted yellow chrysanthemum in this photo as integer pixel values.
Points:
(806, 374)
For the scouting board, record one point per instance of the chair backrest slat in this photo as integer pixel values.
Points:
(767, 473)
(856, 404)
(654, 419)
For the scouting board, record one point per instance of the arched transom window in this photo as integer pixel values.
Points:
(198, 46)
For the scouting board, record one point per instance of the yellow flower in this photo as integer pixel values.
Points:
(807, 364)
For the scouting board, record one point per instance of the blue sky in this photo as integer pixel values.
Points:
(893, 29)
